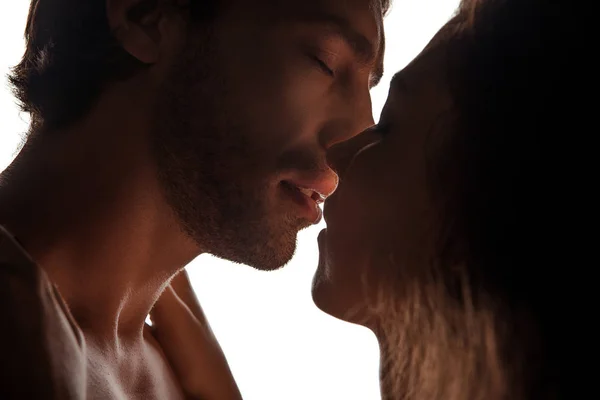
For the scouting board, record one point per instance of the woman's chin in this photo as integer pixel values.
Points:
(334, 289)
(324, 298)
(334, 300)
(322, 288)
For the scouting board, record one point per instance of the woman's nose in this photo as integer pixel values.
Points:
(340, 155)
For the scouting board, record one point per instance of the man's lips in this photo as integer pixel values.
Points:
(306, 199)
(308, 189)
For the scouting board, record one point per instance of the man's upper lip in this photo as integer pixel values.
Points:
(322, 183)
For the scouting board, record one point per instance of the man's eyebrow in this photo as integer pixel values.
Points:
(364, 50)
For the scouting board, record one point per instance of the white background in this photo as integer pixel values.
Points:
(280, 347)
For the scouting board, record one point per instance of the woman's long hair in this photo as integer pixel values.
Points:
(480, 322)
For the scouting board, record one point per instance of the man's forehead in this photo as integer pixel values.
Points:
(366, 15)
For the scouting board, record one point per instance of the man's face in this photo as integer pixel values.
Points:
(247, 113)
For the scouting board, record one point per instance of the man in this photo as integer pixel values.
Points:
(160, 130)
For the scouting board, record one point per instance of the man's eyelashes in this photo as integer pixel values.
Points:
(323, 66)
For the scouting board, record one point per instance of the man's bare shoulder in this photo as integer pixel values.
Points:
(40, 348)
(23, 284)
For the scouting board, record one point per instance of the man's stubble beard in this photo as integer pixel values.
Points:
(209, 164)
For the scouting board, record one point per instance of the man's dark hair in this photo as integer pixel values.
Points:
(71, 55)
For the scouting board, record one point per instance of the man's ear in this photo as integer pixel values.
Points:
(145, 28)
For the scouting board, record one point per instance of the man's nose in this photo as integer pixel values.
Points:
(354, 114)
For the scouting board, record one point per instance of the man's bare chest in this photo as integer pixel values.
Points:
(146, 376)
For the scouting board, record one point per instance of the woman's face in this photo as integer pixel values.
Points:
(381, 219)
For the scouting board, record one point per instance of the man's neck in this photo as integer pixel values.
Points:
(90, 213)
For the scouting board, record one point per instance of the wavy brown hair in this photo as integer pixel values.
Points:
(480, 321)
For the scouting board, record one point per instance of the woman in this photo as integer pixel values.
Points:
(452, 213)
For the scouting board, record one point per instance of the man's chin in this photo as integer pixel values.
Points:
(275, 258)
(265, 247)
(276, 252)
(266, 255)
